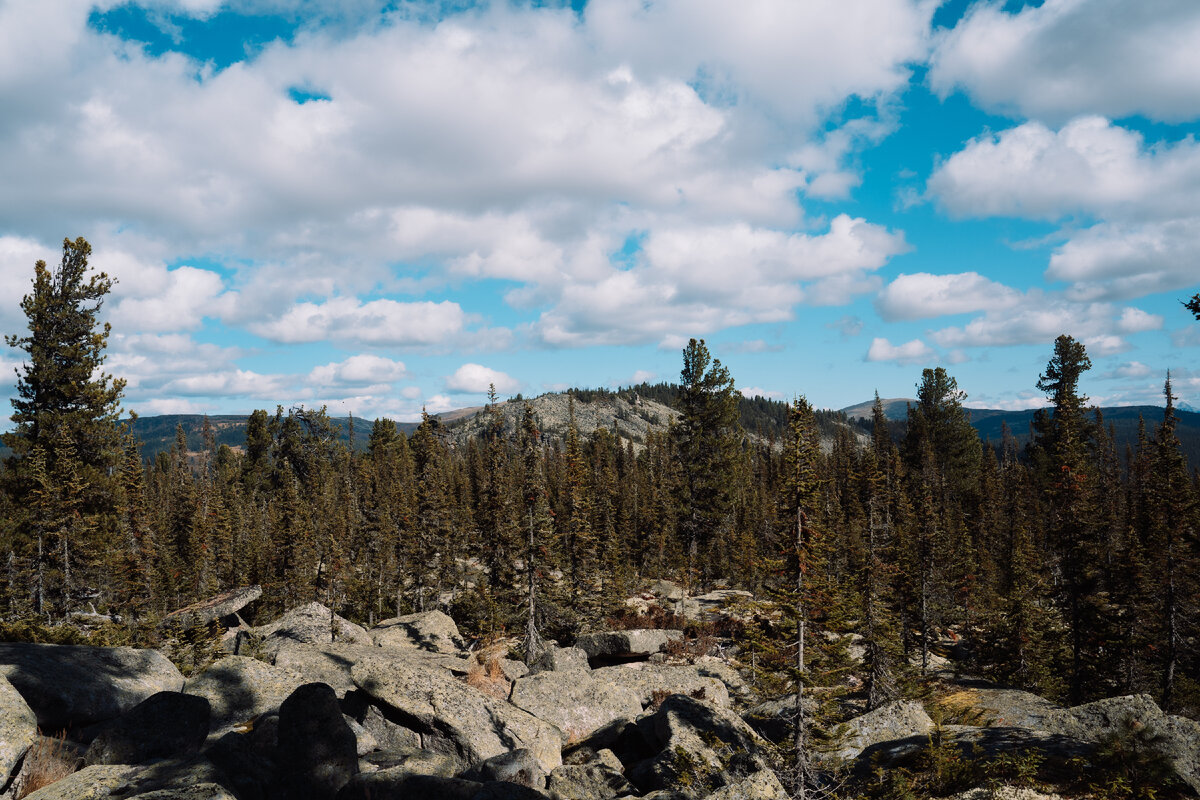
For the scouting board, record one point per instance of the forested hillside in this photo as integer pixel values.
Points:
(1068, 567)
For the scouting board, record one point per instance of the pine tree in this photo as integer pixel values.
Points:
(707, 435)
(61, 390)
(1061, 458)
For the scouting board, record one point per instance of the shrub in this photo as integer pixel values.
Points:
(49, 760)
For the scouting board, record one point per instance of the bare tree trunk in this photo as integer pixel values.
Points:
(534, 646)
(800, 733)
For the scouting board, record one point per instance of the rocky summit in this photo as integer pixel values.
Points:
(317, 708)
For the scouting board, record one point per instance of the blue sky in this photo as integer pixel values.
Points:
(381, 207)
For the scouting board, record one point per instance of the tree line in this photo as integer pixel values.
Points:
(1064, 566)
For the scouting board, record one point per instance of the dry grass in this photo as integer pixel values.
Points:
(49, 760)
(487, 675)
(960, 708)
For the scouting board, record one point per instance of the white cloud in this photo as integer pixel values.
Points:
(1142, 196)
(758, 391)
(231, 383)
(1089, 166)
(1040, 318)
(378, 322)
(359, 370)
(693, 280)
(641, 376)
(921, 295)
(911, 352)
(1131, 369)
(1068, 57)
(476, 378)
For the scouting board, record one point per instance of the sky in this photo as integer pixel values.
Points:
(380, 207)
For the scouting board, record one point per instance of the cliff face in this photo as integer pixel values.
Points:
(630, 417)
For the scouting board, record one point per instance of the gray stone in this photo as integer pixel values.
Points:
(310, 624)
(762, 785)
(429, 630)
(595, 781)
(899, 719)
(365, 741)
(164, 725)
(418, 762)
(90, 783)
(400, 785)
(575, 702)
(240, 689)
(75, 685)
(322, 663)
(317, 752)
(219, 607)
(772, 719)
(18, 729)
(712, 604)
(700, 748)
(516, 766)
(455, 717)
(667, 590)
(201, 791)
(636, 643)
(562, 659)
(645, 680)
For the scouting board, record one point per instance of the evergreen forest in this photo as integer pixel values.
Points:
(1066, 566)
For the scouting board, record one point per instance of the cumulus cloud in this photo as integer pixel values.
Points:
(1089, 166)
(232, 383)
(758, 391)
(1066, 57)
(701, 279)
(378, 322)
(911, 352)
(1040, 318)
(921, 295)
(359, 370)
(476, 378)
(1141, 199)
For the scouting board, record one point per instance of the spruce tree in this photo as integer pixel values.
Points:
(61, 389)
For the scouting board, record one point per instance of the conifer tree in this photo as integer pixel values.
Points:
(707, 435)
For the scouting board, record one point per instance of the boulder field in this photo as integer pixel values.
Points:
(314, 707)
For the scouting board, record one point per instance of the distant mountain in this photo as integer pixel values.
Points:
(895, 408)
(989, 423)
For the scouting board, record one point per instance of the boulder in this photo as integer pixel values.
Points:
(899, 719)
(317, 753)
(623, 645)
(18, 729)
(311, 624)
(562, 659)
(453, 717)
(164, 725)
(762, 785)
(646, 680)
(418, 762)
(993, 706)
(75, 685)
(772, 719)
(667, 590)
(98, 782)
(595, 781)
(577, 703)
(711, 604)
(322, 663)
(516, 766)
(400, 785)
(429, 630)
(223, 608)
(239, 689)
(365, 741)
(701, 748)
(201, 791)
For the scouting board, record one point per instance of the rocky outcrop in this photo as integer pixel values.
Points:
(455, 718)
(562, 659)
(221, 608)
(577, 703)
(610, 646)
(310, 624)
(897, 720)
(71, 686)
(431, 630)
(164, 725)
(589, 782)
(647, 681)
(18, 729)
(701, 748)
(317, 752)
(240, 689)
